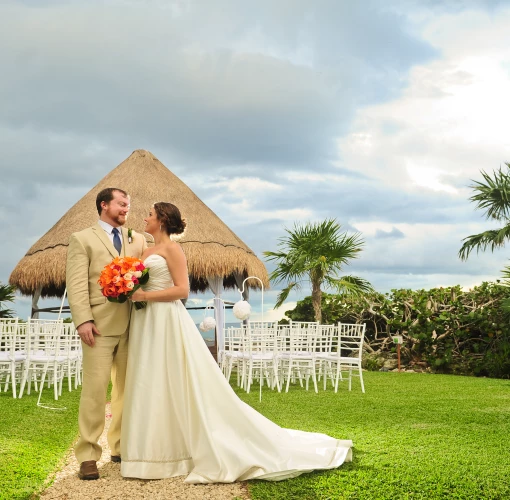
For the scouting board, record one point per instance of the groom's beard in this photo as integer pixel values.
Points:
(121, 219)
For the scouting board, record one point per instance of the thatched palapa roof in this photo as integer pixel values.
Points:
(211, 248)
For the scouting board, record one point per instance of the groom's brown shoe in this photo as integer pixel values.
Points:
(116, 459)
(88, 470)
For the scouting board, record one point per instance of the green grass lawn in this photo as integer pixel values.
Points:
(33, 440)
(416, 436)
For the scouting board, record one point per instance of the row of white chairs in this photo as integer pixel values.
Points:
(39, 351)
(298, 352)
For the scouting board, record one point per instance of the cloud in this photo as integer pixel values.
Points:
(271, 314)
(239, 186)
(237, 92)
(273, 113)
(394, 233)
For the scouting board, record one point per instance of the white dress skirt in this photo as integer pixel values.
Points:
(181, 417)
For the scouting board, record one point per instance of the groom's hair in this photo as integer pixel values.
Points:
(106, 195)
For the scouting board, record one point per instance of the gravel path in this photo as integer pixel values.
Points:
(112, 485)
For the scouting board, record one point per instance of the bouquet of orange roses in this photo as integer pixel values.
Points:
(122, 277)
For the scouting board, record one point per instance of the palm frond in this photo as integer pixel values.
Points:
(493, 238)
(7, 294)
(285, 270)
(310, 246)
(350, 285)
(493, 195)
(317, 251)
(282, 296)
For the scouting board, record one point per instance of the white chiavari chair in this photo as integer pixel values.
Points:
(71, 347)
(323, 347)
(233, 354)
(262, 324)
(44, 355)
(12, 354)
(260, 358)
(347, 351)
(297, 353)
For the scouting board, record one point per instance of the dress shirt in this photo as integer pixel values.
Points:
(108, 229)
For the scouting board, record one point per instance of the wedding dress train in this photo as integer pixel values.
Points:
(181, 417)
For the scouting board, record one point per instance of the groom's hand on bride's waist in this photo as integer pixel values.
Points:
(86, 331)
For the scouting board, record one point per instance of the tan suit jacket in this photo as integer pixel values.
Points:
(89, 252)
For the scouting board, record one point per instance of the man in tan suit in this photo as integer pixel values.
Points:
(103, 326)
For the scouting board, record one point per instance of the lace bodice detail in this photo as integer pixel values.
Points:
(159, 275)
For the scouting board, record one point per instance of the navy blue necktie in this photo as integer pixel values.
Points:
(116, 240)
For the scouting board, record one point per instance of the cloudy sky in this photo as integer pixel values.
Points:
(378, 113)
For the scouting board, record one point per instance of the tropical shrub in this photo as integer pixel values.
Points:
(447, 329)
(7, 294)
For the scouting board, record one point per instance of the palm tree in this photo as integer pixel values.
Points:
(6, 295)
(492, 196)
(316, 251)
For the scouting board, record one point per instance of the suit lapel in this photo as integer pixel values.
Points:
(100, 233)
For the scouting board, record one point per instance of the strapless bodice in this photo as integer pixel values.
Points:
(159, 275)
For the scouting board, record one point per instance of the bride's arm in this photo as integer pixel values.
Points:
(176, 261)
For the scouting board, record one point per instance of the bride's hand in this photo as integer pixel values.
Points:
(138, 296)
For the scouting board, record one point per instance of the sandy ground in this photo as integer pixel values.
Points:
(111, 485)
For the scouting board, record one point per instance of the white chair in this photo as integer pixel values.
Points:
(12, 355)
(303, 324)
(296, 353)
(323, 346)
(45, 353)
(347, 351)
(233, 355)
(260, 356)
(71, 348)
(262, 324)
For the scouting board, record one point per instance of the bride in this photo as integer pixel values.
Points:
(181, 417)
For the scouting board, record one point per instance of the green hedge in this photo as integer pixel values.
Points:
(448, 329)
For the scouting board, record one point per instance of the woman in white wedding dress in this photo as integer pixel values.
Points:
(181, 417)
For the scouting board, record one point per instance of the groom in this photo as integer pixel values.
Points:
(103, 326)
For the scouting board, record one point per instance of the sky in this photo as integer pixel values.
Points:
(379, 114)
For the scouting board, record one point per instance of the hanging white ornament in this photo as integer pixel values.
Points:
(209, 323)
(201, 327)
(242, 310)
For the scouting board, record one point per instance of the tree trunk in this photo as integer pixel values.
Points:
(316, 300)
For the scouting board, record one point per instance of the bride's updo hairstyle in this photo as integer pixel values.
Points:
(170, 218)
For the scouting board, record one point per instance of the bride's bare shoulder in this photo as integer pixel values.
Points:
(172, 249)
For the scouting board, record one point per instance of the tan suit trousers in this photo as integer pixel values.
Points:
(107, 359)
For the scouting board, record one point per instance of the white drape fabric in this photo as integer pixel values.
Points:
(216, 285)
(35, 301)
